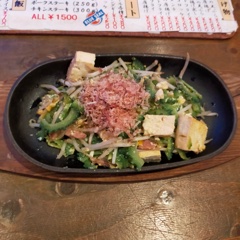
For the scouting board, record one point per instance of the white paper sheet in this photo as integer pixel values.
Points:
(154, 16)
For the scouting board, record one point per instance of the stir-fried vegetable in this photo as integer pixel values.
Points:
(101, 118)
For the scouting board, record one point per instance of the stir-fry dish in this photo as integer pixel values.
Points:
(122, 115)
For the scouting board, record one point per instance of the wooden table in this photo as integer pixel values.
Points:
(200, 201)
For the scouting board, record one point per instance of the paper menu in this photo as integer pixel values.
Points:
(150, 16)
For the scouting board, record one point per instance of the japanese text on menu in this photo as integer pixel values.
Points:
(118, 15)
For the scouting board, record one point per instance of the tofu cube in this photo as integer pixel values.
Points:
(159, 125)
(150, 155)
(190, 134)
(159, 95)
(163, 85)
(85, 57)
(80, 66)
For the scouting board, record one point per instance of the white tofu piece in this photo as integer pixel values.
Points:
(85, 57)
(150, 155)
(159, 94)
(162, 85)
(80, 66)
(159, 125)
(190, 134)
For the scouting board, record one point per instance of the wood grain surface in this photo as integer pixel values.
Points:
(172, 34)
(200, 201)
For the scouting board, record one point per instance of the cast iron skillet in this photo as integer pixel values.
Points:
(25, 94)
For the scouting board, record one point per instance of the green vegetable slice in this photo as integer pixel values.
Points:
(51, 127)
(135, 159)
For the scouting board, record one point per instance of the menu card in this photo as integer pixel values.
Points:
(145, 16)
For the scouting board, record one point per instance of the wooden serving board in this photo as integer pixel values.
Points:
(18, 165)
(126, 34)
(14, 163)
